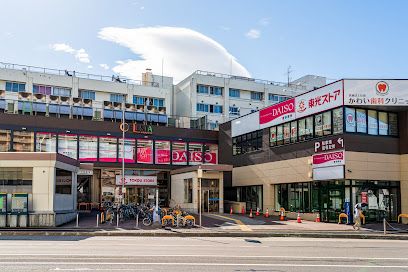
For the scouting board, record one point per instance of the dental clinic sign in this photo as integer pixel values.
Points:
(375, 92)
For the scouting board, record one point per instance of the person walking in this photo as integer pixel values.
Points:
(357, 217)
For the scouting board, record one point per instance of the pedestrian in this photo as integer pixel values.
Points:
(357, 217)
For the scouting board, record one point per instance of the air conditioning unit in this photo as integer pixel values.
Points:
(77, 101)
(107, 104)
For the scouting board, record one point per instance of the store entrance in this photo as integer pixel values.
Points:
(84, 189)
(140, 195)
(210, 195)
(331, 203)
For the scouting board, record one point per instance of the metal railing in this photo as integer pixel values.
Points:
(59, 72)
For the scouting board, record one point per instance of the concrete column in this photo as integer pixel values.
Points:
(221, 192)
(269, 197)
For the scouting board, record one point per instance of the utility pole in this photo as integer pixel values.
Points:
(289, 71)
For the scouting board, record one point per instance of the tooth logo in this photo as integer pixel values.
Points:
(382, 88)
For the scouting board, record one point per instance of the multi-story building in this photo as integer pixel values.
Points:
(219, 98)
(323, 152)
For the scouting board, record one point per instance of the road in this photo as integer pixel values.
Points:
(200, 254)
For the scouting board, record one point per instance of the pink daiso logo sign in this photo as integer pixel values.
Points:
(282, 111)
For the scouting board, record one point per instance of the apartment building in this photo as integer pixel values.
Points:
(219, 97)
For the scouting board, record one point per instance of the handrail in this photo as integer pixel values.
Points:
(59, 72)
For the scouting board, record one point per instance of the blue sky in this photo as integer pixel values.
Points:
(335, 39)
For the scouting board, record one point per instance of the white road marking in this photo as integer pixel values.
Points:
(100, 269)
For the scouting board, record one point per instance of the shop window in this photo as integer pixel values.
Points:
(247, 142)
(5, 140)
(67, 145)
(393, 124)
(195, 151)
(16, 179)
(361, 120)
(251, 195)
(351, 123)
(318, 125)
(144, 151)
(179, 153)
(88, 148)
(108, 149)
(327, 123)
(286, 133)
(63, 182)
(372, 122)
(211, 153)
(129, 150)
(279, 135)
(382, 123)
(188, 190)
(23, 141)
(272, 136)
(338, 121)
(162, 152)
(293, 131)
(46, 142)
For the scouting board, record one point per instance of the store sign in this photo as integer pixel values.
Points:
(277, 114)
(210, 157)
(329, 145)
(334, 158)
(137, 180)
(85, 172)
(163, 156)
(137, 128)
(375, 92)
(325, 98)
(179, 156)
(144, 155)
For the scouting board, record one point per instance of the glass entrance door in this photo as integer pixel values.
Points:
(331, 201)
(210, 195)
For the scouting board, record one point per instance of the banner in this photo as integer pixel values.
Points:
(137, 180)
(277, 114)
(375, 92)
(179, 156)
(210, 157)
(322, 99)
(334, 158)
(162, 156)
(144, 155)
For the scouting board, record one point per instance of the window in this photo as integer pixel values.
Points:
(179, 153)
(23, 141)
(63, 182)
(60, 91)
(286, 133)
(15, 87)
(214, 90)
(202, 89)
(234, 93)
(5, 140)
(248, 142)
(256, 96)
(158, 102)
(195, 151)
(138, 100)
(46, 142)
(327, 123)
(393, 124)
(372, 122)
(162, 152)
(277, 98)
(305, 128)
(361, 117)
(119, 98)
(202, 107)
(216, 108)
(188, 190)
(279, 135)
(88, 148)
(108, 149)
(338, 121)
(86, 94)
(129, 150)
(350, 120)
(211, 153)
(41, 89)
(16, 176)
(144, 151)
(318, 125)
(294, 197)
(233, 110)
(382, 123)
(67, 145)
(272, 136)
(293, 131)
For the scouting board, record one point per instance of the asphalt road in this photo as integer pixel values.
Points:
(200, 254)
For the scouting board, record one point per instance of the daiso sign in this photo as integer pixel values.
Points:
(328, 159)
(195, 157)
(278, 113)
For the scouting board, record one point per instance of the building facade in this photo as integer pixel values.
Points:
(324, 151)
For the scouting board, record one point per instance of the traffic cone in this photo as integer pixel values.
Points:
(282, 216)
(243, 211)
(231, 210)
(298, 218)
(257, 212)
(318, 218)
(250, 214)
(267, 213)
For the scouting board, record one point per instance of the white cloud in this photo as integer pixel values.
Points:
(104, 66)
(253, 34)
(142, 8)
(89, 66)
(182, 50)
(81, 55)
(264, 21)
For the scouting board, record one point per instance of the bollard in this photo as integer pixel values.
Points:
(137, 221)
(97, 220)
(385, 226)
(77, 220)
(117, 220)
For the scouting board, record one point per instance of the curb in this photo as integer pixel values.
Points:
(203, 234)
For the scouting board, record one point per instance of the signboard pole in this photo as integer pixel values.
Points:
(123, 154)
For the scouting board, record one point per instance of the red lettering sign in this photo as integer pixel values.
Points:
(284, 111)
(144, 155)
(179, 156)
(163, 156)
(328, 159)
(210, 157)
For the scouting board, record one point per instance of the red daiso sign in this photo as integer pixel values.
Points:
(277, 114)
(180, 157)
(335, 158)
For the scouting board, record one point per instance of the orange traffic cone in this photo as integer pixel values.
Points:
(318, 218)
(250, 214)
(282, 216)
(267, 213)
(298, 218)
(231, 210)
(257, 212)
(243, 211)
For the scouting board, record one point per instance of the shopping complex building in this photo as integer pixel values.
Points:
(323, 151)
